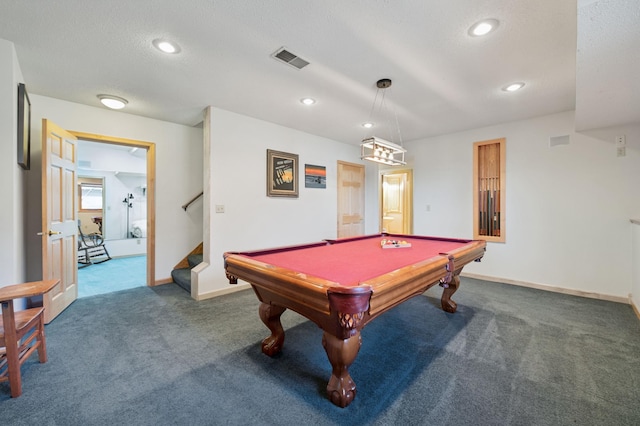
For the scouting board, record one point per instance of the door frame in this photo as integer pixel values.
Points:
(150, 147)
(339, 190)
(407, 200)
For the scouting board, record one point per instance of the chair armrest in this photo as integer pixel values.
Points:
(34, 288)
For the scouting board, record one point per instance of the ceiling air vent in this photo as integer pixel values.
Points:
(289, 58)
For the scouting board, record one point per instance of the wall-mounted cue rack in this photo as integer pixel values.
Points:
(489, 159)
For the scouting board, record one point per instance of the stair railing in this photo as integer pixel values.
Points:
(185, 206)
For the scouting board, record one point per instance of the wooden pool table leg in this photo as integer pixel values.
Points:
(341, 388)
(449, 305)
(270, 316)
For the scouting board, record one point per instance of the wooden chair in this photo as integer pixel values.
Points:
(22, 332)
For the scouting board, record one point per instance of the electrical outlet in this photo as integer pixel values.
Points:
(621, 151)
(621, 141)
(219, 208)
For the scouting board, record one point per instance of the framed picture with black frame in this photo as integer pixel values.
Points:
(282, 174)
(24, 127)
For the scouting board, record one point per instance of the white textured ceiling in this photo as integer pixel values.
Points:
(608, 64)
(443, 80)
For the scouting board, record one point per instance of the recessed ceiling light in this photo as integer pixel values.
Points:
(166, 46)
(113, 102)
(308, 101)
(513, 87)
(483, 27)
(367, 125)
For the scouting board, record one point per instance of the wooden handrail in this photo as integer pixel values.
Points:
(184, 207)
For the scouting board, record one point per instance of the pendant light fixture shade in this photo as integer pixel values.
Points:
(380, 150)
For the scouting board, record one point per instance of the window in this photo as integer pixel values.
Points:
(489, 195)
(90, 194)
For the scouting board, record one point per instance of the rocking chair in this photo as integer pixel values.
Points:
(91, 249)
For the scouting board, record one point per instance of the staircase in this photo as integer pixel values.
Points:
(181, 273)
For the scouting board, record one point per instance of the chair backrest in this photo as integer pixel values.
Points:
(92, 240)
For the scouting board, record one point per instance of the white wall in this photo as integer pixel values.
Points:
(12, 263)
(635, 286)
(238, 150)
(178, 173)
(568, 207)
(129, 247)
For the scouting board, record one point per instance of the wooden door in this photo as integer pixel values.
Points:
(397, 201)
(350, 199)
(59, 217)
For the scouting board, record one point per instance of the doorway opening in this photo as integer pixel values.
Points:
(396, 201)
(122, 171)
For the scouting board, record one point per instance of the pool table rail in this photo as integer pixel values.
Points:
(341, 310)
(420, 277)
(304, 294)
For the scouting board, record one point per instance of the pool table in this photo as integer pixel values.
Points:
(343, 284)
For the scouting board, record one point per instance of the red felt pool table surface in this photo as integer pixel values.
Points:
(354, 261)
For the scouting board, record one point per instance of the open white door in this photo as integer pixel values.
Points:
(59, 218)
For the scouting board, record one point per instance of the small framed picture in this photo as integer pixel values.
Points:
(282, 174)
(24, 127)
(315, 176)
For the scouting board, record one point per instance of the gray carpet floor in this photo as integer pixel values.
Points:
(509, 356)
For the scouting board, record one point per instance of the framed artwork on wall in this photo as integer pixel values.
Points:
(315, 176)
(282, 174)
(24, 127)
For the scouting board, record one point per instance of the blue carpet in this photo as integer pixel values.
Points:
(509, 356)
(114, 275)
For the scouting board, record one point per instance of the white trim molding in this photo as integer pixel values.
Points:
(554, 289)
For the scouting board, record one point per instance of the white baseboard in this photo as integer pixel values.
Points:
(627, 301)
(162, 282)
(221, 292)
(635, 308)
(554, 289)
